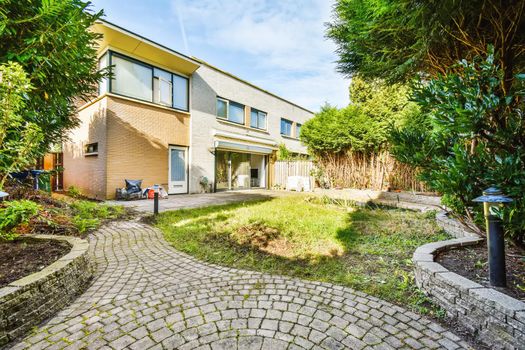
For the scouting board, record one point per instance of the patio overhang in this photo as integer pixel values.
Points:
(225, 140)
(232, 146)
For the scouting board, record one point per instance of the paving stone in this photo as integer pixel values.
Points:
(161, 334)
(224, 344)
(149, 296)
(316, 337)
(254, 343)
(274, 344)
(122, 342)
(143, 343)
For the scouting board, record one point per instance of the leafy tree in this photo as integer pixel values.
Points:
(335, 130)
(395, 39)
(471, 138)
(51, 40)
(364, 125)
(350, 144)
(19, 139)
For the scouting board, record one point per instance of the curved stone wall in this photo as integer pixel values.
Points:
(27, 302)
(494, 318)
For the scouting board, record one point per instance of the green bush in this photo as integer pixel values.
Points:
(473, 137)
(83, 224)
(74, 192)
(14, 213)
(88, 215)
(88, 209)
(364, 125)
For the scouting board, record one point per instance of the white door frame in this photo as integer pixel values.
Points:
(178, 187)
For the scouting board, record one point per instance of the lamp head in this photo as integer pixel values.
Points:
(493, 196)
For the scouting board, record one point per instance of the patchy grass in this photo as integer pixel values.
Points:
(368, 249)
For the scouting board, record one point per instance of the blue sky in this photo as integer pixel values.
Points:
(278, 45)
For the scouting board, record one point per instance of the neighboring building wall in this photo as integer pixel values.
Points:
(139, 135)
(207, 84)
(88, 173)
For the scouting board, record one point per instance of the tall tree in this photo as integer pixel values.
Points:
(395, 39)
(459, 149)
(19, 139)
(51, 40)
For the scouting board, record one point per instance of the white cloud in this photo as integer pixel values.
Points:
(282, 41)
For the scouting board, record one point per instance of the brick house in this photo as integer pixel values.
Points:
(174, 120)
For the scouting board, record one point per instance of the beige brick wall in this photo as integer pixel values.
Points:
(138, 139)
(88, 173)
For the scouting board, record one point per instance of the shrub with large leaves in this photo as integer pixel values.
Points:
(14, 213)
(472, 137)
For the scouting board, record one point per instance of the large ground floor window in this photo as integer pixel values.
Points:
(235, 171)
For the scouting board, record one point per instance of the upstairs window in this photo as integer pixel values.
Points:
(236, 113)
(103, 63)
(286, 127)
(142, 81)
(162, 88)
(180, 92)
(258, 119)
(131, 79)
(222, 108)
(298, 130)
(231, 111)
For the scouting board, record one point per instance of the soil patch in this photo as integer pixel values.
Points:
(23, 257)
(472, 263)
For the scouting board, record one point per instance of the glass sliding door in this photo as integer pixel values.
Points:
(240, 170)
(258, 170)
(222, 170)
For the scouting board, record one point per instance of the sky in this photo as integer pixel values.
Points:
(278, 45)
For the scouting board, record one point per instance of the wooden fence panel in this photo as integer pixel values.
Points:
(283, 169)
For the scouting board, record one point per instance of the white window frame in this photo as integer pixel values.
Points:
(297, 131)
(227, 108)
(170, 94)
(291, 127)
(257, 122)
(243, 113)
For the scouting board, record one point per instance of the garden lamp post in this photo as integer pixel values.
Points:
(155, 199)
(493, 198)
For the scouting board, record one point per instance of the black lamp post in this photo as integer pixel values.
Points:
(155, 199)
(491, 199)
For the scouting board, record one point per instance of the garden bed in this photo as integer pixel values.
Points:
(471, 262)
(495, 319)
(36, 212)
(368, 249)
(28, 301)
(23, 257)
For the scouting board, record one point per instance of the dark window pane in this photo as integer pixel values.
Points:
(236, 113)
(180, 92)
(221, 108)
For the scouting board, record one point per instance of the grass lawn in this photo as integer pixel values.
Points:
(368, 249)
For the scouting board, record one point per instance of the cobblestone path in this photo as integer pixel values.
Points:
(146, 295)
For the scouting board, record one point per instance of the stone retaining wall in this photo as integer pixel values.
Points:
(492, 317)
(27, 302)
